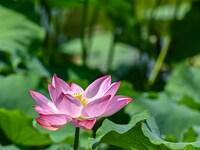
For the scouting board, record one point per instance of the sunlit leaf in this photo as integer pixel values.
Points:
(141, 133)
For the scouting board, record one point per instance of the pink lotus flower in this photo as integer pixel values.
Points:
(71, 103)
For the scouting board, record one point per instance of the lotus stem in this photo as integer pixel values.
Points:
(159, 61)
(76, 140)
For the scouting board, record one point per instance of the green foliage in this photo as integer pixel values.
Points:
(18, 84)
(18, 128)
(124, 55)
(18, 35)
(187, 78)
(17, 32)
(65, 135)
(170, 117)
(141, 133)
(190, 135)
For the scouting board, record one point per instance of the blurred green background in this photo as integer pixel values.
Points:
(152, 46)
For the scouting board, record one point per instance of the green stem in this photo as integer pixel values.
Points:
(76, 140)
(159, 61)
(83, 25)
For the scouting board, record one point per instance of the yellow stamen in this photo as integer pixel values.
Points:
(77, 95)
(80, 98)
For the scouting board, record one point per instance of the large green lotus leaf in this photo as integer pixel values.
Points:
(19, 129)
(14, 91)
(17, 33)
(172, 119)
(141, 133)
(183, 83)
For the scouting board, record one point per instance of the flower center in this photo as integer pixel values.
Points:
(83, 100)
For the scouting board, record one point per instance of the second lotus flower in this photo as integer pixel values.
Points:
(69, 102)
